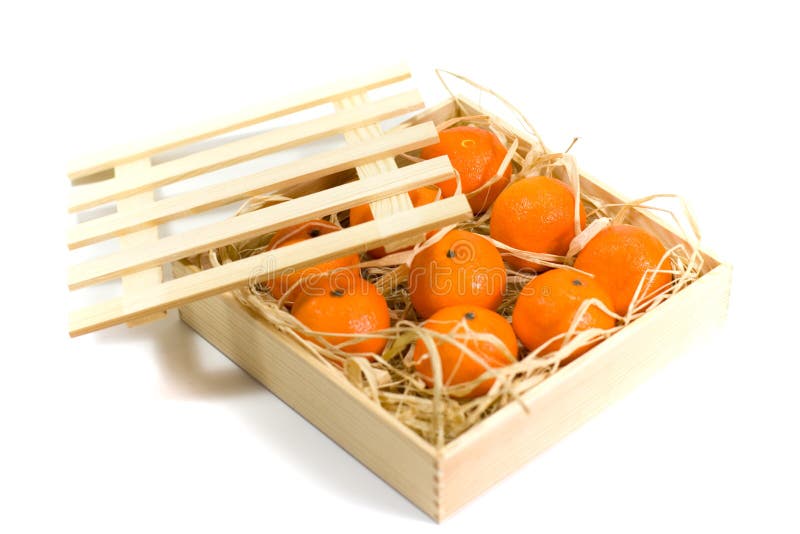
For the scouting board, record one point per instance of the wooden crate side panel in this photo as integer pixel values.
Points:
(510, 438)
(323, 397)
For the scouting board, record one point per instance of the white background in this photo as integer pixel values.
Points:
(152, 430)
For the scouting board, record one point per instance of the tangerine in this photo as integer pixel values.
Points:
(476, 154)
(343, 303)
(619, 256)
(294, 234)
(460, 268)
(461, 322)
(535, 214)
(547, 305)
(419, 197)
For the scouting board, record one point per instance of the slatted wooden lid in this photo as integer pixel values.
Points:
(127, 178)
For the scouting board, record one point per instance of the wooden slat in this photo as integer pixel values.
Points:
(258, 222)
(144, 238)
(259, 267)
(95, 194)
(96, 163)
(282, 176)
(384, 206)
(437, 114)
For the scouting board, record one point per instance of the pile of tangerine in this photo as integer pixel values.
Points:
(457, 283)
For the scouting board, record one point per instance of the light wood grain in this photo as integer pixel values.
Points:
(435, 114)
(441, 112)
(282, 176)
(319, 393)
(95, 194)
(256, 268)
(144, 238)
(255, 223)
(511, 437)
(97, 163)
(384, 206)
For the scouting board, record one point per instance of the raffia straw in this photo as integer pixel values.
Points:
(438, 412)
(470, 119)
(440, 73)
(586, 235)
(561, 166)
(497, 175)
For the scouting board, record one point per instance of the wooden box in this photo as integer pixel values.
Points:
(440, 481)
(437, 479)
